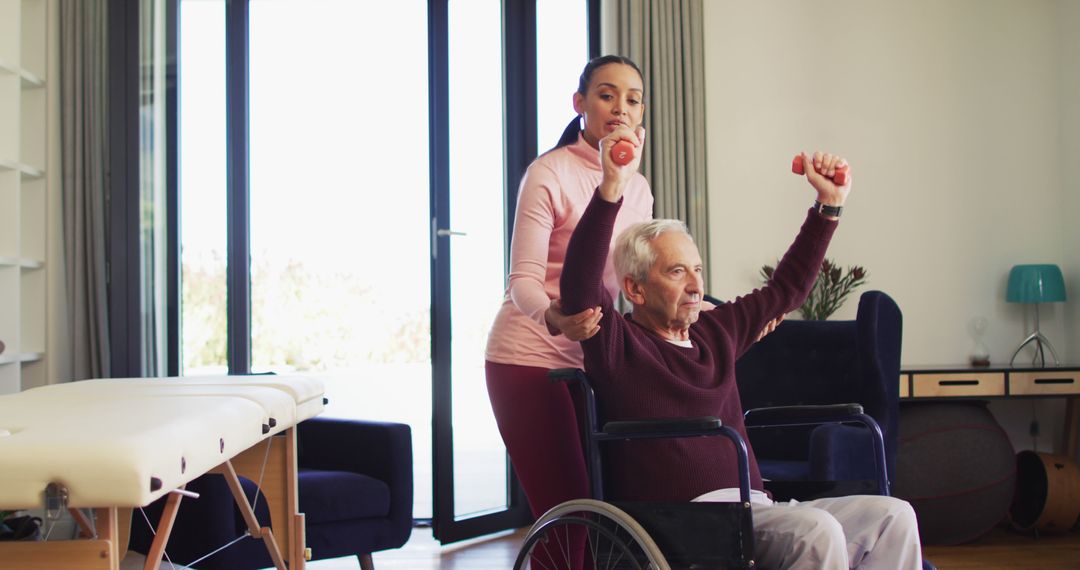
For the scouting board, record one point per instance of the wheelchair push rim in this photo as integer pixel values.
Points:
(612, 540)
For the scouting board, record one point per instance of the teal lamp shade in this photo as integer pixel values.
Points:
(1035, 284)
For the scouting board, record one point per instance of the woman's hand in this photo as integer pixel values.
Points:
(617, 176)
(820, 168)
(576, 327)
(769, 327)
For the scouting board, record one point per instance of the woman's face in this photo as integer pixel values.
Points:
(614, 98)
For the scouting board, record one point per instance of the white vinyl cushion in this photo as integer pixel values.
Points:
(106, 440)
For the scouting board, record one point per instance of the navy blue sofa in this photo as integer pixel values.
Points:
(355, 482)
(827, 362)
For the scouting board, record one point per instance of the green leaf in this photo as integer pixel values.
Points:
(831, 288)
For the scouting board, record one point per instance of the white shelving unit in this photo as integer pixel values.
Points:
(24, 172)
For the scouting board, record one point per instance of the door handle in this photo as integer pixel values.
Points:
(437, 232)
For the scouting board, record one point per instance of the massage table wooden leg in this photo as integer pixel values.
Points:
(86, 528)
(164, 529)
(274, 468)
(108, 530)
(246, 511)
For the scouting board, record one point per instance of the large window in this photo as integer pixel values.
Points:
(203, 208)
(562, 48)
(338, 203)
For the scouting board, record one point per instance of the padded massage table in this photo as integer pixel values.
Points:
(113, 445)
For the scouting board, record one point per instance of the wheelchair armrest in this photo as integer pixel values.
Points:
(824, 414)
(663, 426)
(796, 415)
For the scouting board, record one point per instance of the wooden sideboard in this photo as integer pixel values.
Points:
(999, 382)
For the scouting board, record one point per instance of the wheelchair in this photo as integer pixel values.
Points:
(597, 534)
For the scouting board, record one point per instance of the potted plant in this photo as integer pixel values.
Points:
(831, 288)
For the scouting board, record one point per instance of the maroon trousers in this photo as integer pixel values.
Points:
(540, 430)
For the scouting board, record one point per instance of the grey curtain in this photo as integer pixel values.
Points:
(665, 38)
(83, 180)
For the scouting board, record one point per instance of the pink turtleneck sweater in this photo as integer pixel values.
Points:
(554, 192)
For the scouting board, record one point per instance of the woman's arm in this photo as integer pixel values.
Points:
(534, 221)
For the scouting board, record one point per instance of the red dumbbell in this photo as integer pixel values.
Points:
(841, 171)
(622, 153)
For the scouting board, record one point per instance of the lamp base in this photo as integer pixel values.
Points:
(1040, 355)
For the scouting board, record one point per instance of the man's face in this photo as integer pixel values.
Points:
(671, 296)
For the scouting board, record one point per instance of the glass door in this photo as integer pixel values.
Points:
(486, 57)
(475, 492)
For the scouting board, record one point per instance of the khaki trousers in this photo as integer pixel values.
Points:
(868, 532)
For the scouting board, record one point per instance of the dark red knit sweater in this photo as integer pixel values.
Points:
(638, 375)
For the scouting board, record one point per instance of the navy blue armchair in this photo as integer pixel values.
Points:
(827, 362)
(355, 488)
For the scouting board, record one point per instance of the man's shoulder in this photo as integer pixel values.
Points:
(714, 322)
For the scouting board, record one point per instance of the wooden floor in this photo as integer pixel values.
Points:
(1004, 548)
(1001, 549)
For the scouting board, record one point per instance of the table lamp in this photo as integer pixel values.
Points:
(1034, 284)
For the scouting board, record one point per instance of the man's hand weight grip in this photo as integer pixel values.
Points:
(839, 178)
(622, 153)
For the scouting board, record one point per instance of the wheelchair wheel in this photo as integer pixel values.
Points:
(611, 540)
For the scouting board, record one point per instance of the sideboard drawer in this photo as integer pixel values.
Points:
(905, 386)
(1051, 382)
(963, 384)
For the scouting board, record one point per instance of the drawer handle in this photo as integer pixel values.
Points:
(1054, 380)
(958, 382)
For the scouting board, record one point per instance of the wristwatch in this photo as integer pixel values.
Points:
(827, 210)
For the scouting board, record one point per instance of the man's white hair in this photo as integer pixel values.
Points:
(634, 254)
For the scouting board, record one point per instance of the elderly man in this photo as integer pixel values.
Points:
(667, 358)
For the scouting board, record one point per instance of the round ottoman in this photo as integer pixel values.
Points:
(956, 467)
(1047, 492)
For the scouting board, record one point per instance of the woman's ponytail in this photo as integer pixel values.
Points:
(570, 133)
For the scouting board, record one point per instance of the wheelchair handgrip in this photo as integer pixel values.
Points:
(663, 426)
(794, 415)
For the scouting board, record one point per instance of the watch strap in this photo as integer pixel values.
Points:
(825, 210)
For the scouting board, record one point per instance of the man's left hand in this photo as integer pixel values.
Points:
(820, 169)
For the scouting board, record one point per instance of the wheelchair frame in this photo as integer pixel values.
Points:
(652, 535)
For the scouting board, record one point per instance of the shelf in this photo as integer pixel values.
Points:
(31, 172)
(10, 358)
(21, 262)
(27, 36)
(28, 172)
(31, 81)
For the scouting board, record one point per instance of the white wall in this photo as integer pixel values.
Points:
(949, 113)
(961, 120)
(1068, 20)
